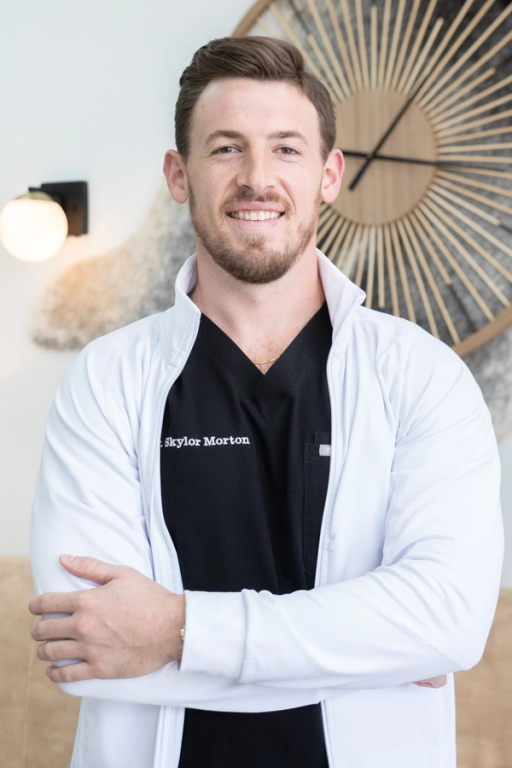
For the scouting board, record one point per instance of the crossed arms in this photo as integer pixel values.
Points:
(425, 612)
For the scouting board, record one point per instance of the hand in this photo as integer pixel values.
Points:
(128, 627)
(433, 682)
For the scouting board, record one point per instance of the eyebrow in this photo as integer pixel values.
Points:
(222, 134)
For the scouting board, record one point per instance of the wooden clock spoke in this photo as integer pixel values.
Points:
(325, 212)
(450, 259)
(363, 247)
(290, 34)
(384, 35)
(340, 258)
(441, 124)
(326, 226)
(454, 85)
(381, 299)
(402, 272)
(405, 44)
(464, 204)
(476, 135)
(474, 183)
(362, 43)
(352, 45)
(326, 68)
(370, 274)
(333, 252)
(469, 52)
(394, 43)
(427, 85)
(427, 242)
(462, 91)
(462, 159)
(430, 277)
(477, 228)
(327, 43)
(391, 271)
(471, 241)
(475, 196)
(462, 105)
(352, 251)
(417, 43)
(468, 148)
(342, 47)
(332, 234)
(421, 58)
(486, 172)
(442, 45)
(438, 217)
(419, 281)
(373, 47)
(475, 124)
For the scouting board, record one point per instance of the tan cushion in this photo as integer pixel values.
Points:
(38, 721)
(484, 698)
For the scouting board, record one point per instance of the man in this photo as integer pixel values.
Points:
(290, 501)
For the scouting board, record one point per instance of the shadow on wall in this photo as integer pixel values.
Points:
(136, 279)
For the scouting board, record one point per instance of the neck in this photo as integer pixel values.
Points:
(261, 319)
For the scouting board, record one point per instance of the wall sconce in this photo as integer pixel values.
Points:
(34, 226)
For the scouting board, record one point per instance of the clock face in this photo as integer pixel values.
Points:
(423, 97)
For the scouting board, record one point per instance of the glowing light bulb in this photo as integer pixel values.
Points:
(33, 227)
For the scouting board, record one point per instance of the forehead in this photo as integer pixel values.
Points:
(254, 107)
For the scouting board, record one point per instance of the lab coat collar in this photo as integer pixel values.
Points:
(341, 294)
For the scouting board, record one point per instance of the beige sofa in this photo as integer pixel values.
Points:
(38, 721)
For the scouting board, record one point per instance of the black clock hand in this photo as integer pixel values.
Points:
(417, 161)
(371, 155)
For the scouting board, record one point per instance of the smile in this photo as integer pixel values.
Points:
(255, 215)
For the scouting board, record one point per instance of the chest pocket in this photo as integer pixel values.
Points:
(317, 458)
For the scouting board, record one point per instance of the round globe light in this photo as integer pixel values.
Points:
(33, 227)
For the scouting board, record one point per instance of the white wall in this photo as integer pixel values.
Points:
(87, 91)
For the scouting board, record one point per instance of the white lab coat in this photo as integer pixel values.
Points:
(409, 559)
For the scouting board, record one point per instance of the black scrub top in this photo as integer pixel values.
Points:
(244, 471)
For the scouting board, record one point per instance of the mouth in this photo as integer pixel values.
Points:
(245, 215)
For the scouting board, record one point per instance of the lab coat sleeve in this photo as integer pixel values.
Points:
(428, 608)
(88, 501)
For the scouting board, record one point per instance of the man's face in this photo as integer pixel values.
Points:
(254, 176)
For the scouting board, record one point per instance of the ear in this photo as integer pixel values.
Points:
(332, 175)
(176, 175)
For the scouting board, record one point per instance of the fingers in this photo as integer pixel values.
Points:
(90, 568)
(433, 682)
(70, 673)
(54, 629)
(54, 602)
(59, 650)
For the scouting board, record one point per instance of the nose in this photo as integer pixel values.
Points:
(255, 172)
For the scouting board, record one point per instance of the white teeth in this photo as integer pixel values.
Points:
(255, 215)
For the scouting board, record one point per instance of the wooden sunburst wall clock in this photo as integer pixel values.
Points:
(422, 92)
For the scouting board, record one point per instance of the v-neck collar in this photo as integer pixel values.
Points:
(268, 391)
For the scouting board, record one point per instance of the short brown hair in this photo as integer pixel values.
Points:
(258, 58)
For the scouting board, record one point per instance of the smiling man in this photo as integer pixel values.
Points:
(283, 505)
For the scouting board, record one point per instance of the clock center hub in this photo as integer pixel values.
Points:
(388, 189)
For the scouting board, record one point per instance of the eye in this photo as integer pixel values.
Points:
(230, 149)
(288, 150)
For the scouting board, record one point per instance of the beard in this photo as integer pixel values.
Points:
(254, 262)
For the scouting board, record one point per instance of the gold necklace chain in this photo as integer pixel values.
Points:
(265, 362)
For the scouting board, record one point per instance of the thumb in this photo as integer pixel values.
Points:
(90, 568)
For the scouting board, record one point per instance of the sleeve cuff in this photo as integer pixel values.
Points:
(215, 624)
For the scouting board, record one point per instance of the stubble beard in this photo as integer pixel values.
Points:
(264, 264)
